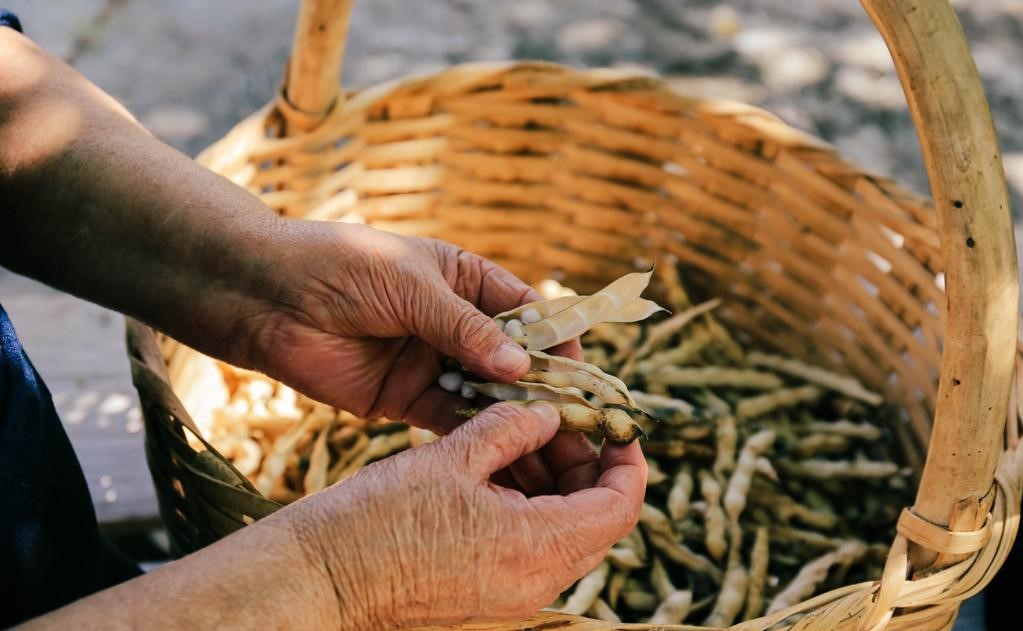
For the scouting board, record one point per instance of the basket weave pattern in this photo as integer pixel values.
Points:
(588, 175)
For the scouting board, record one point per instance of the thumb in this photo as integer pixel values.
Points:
(459, 330)
(501, 434)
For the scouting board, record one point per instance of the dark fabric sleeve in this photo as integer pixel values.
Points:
(51, 552)
(10, 20)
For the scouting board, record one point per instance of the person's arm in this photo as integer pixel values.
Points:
(257, 578)
(422, 538)
(92, 204)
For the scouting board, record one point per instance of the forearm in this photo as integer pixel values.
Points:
(256, 579)
(92, 204)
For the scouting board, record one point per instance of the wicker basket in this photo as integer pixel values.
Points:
(590, 173)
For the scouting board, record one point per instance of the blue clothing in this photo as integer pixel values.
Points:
(51, 552)
(10, 20)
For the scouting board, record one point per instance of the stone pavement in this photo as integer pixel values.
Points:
(190, 69)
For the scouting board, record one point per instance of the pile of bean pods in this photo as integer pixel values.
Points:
(771, 480)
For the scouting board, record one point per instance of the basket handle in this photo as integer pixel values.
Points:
(960, 149)
(312, 80)
(953, 121)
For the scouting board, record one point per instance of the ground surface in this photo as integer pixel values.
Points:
(190, 69)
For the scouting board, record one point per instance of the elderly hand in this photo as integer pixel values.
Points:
(424, 538)
(362, 317)
(365, 315)
(421, 538)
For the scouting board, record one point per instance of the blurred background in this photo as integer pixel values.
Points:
(190, 69)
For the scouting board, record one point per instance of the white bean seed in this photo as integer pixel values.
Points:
(450, 381)
(531, 316)
(514, 329)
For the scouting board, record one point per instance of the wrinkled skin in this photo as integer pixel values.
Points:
(366, 316)
(367, 312)
(436, 543)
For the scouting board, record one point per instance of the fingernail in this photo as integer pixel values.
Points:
(508, 358)
(532, 296)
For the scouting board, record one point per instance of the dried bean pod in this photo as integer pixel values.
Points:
(624, 558)
(602, 611)
(578, 318)
(542, 308)
(753, 407)
(814, 573)
(540, 361)
(729, 347)
(319, 458)
(638, 309)
(587, 590)
(659, 580)
(815, 444)
(764, 467)
(787, 509)
(848, 429)
(714, 516)
(682, 354)
(655, 475)
(675, 449)
(714, 403)
(673, 609)
(655, 521)
(379, 446)
(803, 538)
(848, 386)
(419, 436)
(678, 553)
(659, 334)
(691, 432)
(578, 379)
(246, 456)
(759, 560)
(522, 391)
(815, 469)
(334, 474)
(716, 376)
(611, 423)
(681, 410)
(732, 596)
(739, 483)
(639, 600)
(276, 460)
(634, 541)
(726, 438)
(680, 494)
(615, 585)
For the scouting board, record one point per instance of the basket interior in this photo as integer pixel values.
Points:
(583, 176)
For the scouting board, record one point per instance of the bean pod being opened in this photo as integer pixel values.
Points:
(587, 398)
